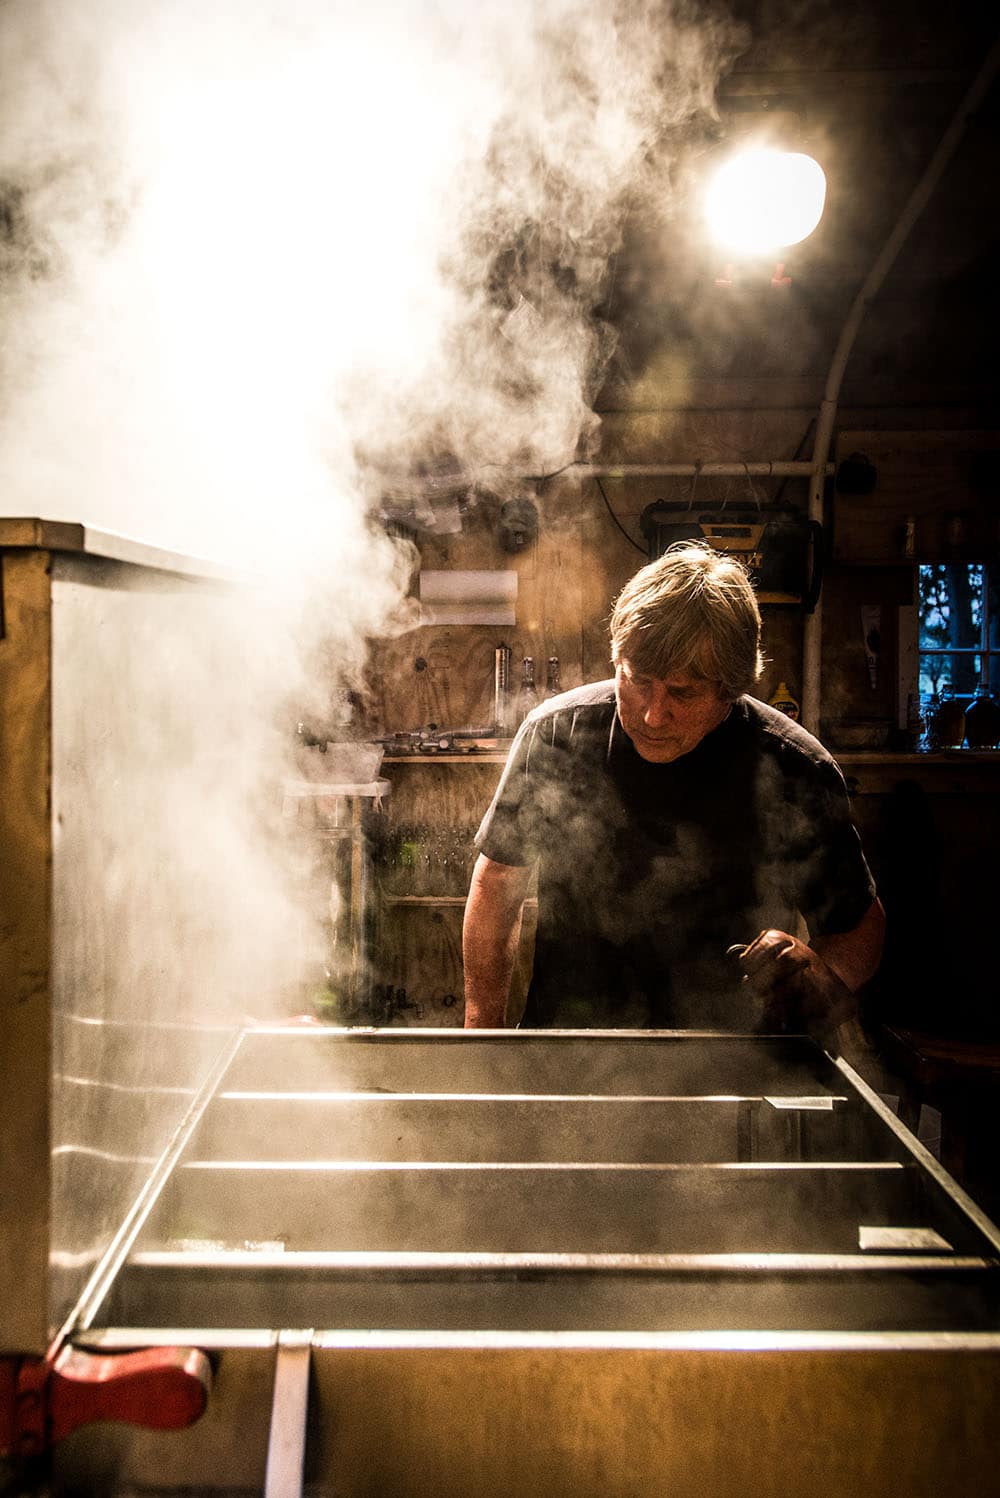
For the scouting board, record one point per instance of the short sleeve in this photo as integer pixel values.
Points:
(830, 882)
(509, 832)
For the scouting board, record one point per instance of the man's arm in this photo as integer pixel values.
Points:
(816, 984)
(855, 955)
(490, 935)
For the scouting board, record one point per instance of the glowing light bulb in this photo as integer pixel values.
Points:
(765, 199)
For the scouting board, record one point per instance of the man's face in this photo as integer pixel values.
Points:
(666, 717)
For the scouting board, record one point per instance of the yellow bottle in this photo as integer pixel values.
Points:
(783, 700)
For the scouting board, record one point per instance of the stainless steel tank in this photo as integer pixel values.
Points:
(559, 1262)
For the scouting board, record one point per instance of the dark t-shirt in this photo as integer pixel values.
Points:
(647, 873)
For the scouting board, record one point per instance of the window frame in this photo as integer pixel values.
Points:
(986, 652)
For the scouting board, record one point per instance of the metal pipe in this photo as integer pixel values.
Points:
(777, 469)
(915, 205)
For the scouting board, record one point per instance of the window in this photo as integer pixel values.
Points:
(959, 628)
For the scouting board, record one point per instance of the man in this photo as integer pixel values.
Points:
(681, 831)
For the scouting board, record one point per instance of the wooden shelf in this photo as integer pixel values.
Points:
(424, 899)
(949, 757)
(842, 756)
(447, 757)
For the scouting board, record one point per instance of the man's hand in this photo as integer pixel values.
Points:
(799, 990)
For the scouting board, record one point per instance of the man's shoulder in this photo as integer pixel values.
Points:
(777, 734)
(593, 701)
(577, 721)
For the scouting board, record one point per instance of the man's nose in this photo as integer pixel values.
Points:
(657, 710)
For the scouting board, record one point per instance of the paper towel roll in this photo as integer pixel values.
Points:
(468, 597)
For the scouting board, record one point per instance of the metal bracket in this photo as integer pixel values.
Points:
(43, 1399)
(286, 1447)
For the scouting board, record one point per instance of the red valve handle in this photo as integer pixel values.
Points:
(162, 1388)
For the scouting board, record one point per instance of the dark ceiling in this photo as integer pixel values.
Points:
(869, 89)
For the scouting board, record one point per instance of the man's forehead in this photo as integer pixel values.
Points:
(673, 679)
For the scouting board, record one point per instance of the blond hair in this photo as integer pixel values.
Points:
(693, 610)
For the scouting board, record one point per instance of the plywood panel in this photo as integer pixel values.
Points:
(444, 674)
(927, 503)
(441, 792)
(436, 805)
(421, 955)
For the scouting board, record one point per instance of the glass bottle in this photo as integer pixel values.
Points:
(552, 686)
(982, 720)
(915, 725)
(503, 696)
(931, 740)
(527, 697)
(948, 723)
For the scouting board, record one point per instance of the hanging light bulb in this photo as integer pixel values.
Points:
(765, 199)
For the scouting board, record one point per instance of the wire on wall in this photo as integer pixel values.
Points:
(614, 517)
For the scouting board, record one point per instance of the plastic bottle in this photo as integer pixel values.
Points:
(783, 700)
(552, 686)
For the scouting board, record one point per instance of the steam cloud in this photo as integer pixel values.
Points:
(259, 260)
(247, 242)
